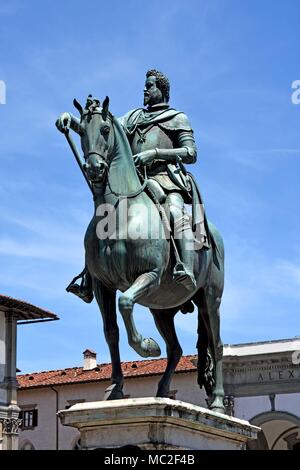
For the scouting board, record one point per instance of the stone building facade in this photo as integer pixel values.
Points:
(13, 312)
(262, 385)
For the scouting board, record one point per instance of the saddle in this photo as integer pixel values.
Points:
(198, 218)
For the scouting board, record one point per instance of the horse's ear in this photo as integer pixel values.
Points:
(78, 106)
(105, 108)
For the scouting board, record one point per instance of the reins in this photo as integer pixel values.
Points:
(90, 185)
(77, 158)
(134, 193)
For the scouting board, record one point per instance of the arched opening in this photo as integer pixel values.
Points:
(279, 431)
(76, 443)
(26, 445)
(260, 443)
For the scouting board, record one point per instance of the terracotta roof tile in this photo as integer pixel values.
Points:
(101, 372)
(24, 310)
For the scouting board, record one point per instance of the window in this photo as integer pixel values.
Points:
(29, 418)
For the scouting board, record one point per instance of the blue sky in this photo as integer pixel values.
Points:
(231, 65)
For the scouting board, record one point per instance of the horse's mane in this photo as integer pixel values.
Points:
(122, 172)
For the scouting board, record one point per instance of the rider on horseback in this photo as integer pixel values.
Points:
(161, 139)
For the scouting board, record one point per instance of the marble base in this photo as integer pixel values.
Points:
(156, 423)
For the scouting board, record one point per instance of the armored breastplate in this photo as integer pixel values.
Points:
(150, 137)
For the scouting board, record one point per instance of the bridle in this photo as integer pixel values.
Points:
(103, 161)
(107, 166)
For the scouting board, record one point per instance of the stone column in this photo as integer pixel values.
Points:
(10, 427)
(3, 393)
(11, 358)
(9, 410)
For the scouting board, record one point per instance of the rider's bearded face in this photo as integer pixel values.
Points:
(152, 94)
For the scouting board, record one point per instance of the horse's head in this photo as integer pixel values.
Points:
(97, 137)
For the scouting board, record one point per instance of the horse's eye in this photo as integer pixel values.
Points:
(105, 130)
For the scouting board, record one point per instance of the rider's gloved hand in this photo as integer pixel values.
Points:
(63, 122)
(144, 158)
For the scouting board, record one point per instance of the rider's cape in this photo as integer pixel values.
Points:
(170, 119)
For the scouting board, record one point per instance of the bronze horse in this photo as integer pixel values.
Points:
(141, 267)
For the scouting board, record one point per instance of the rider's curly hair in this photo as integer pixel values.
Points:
(162, 82)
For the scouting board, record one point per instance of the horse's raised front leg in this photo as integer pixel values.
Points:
(145, 347)
(164, 320)
(106, 300)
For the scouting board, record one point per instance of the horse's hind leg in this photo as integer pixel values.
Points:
(164, 320)
(145, 347)
(106, 300)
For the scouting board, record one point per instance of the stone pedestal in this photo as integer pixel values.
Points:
(156, 423)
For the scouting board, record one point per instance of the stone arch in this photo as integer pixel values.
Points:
(260, 443)
(280, 431)
(76, 442)
(26, 444)
(275, 415)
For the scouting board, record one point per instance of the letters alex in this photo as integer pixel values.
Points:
(288, 374)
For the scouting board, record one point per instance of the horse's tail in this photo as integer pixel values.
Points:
(204, 377)
(206, 300)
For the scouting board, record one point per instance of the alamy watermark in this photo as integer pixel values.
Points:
(2, 92)
(295, 97)
(135, 221)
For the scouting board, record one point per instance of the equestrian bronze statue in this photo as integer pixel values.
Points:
(141, 240)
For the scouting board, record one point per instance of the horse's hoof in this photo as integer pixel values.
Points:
(113, 392)
(146, 347)
(162, 395)
(150, 347)
(217, 405)
(162, 390)
(218, 409)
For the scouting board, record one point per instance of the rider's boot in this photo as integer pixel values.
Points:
(184, 269)
(84, 290)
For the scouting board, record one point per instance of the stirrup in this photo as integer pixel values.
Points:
(184, 277)
(82, 292)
